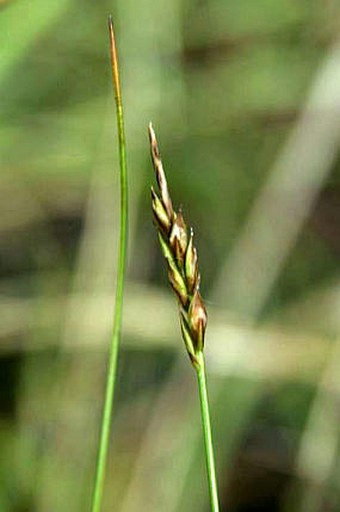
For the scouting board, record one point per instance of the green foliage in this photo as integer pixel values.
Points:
(225, 84)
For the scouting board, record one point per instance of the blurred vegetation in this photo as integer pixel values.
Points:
(245, 99)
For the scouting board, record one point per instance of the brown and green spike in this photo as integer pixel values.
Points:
(181, 256)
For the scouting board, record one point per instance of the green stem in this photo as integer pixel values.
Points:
(112, 365)
(208, 443)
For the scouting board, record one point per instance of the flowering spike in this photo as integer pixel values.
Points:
(181, 257)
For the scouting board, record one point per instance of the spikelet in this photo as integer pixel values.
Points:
(181, 257)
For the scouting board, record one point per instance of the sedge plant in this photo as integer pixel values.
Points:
(117, 322)
(177, 245)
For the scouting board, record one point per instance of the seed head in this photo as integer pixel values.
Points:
(181, 257)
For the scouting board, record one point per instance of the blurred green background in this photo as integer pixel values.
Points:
(245, 98)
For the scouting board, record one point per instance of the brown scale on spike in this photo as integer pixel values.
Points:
(181, 257)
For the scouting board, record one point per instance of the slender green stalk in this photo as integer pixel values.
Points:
(208, 442)
(112, 365)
